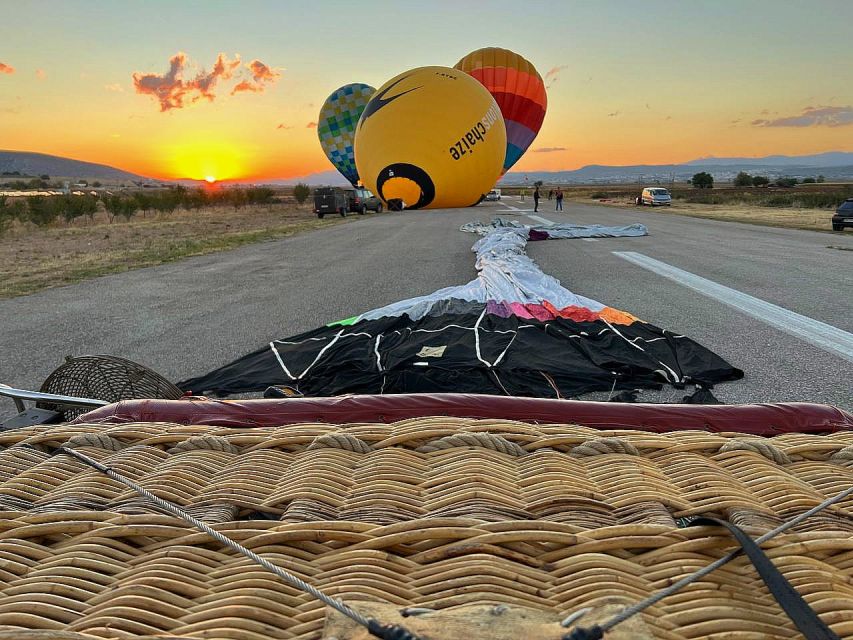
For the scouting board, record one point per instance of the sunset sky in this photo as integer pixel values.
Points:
(629, 82)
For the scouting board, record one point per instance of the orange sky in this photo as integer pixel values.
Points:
(649, 84)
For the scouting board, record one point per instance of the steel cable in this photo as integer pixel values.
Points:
(599, 630)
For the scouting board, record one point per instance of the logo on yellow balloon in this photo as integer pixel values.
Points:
(432, 137)
(476, 134)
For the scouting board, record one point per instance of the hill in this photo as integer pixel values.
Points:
(35, 164)
(828, 159)
(834, 165)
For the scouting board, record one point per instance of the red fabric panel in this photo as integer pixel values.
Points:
(756, 419)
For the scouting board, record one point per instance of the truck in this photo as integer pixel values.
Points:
(330, 200)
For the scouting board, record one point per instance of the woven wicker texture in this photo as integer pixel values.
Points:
(434, 467)
(113, 576)
(427, 512)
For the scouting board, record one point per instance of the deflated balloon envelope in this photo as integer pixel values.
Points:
(519, 91)
(336, 126)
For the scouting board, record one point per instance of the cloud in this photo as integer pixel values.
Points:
(114, 87)
(647, 106)
(262, 75)
(41, 74)
(821, 116)
(553, 75)
(204, 83)
(311, 125)
(549, 149)
(246, 85)
(555, 71)
(170, 89)
(7, 69)
(284, 126)
(668, 118)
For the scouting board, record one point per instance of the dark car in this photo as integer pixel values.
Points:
(330, 200)
(843, 215)
(361, 200)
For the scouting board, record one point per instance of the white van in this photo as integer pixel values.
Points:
(655, 196)
(493, 195)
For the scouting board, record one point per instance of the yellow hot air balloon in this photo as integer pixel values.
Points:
(432, 137)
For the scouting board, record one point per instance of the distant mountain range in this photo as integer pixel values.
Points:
(834, 165)
(36, 164)
(828, 159)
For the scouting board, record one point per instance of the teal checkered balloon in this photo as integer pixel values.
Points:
(336, 126)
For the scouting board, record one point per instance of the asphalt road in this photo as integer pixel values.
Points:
(185, 318)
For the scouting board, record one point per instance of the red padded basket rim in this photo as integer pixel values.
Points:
(755, 419)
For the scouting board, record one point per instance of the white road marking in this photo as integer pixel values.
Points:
(590, 239)
(538, 218)
(822, 335)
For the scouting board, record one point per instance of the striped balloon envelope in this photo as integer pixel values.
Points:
(517, 88)
(336, 126)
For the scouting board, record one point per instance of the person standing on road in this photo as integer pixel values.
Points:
(536, 198)
(559, 206)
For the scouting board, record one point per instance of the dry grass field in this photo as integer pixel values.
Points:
(789, 208)
(35, 258)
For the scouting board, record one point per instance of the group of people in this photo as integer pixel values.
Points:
(558, 195)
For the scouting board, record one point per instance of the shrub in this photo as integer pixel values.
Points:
(89, 207)
(760, 181)
(809, 180)
(42, 210)
(703, 180)
(259, 195)
(743, 179)
(127, 209)
(112, 204)
(301, 192)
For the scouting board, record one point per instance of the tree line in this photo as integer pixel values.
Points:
(704, 180)
(45, 210)
(743, 179)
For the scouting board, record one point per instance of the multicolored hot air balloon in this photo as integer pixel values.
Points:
(336, 126)
(431, 138)
(519, 91)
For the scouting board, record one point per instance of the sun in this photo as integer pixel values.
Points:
(210, 179)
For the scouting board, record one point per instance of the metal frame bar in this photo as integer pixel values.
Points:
(18, 395)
